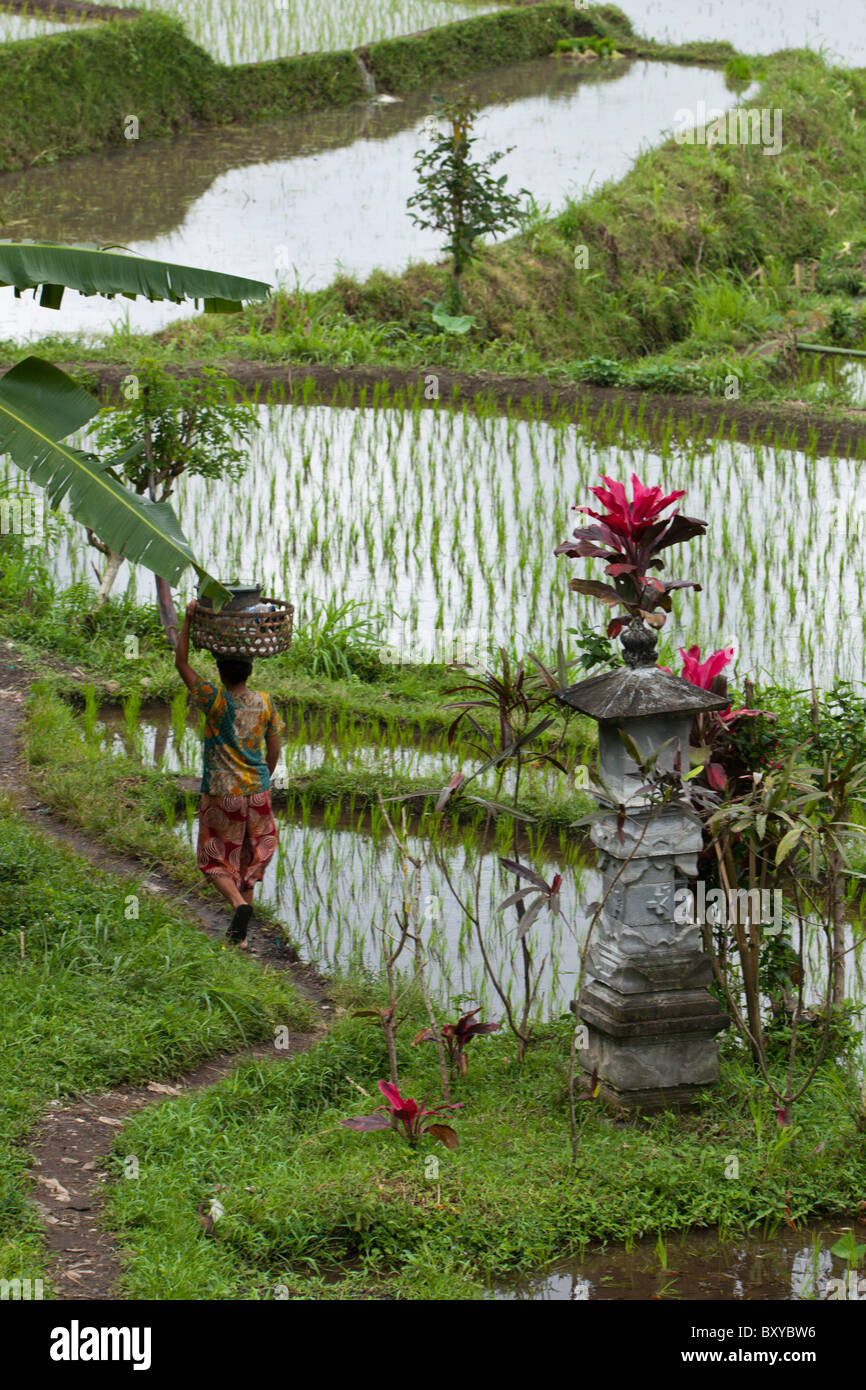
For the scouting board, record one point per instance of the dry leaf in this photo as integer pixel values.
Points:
(55, 1188)
(205, 1219)
(209, 1216)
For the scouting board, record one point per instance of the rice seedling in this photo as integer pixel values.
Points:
(15, 25)
(244, 31)
(465, 540)
(179, 716)
(89, 719)
(131, 711)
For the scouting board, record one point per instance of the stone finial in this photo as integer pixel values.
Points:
(639, 644)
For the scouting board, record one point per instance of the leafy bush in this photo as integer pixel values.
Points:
(594, 647)
(665, 377)
(340, 640)
(843, 324)
(842, 268)
(837, 727)
(844, 1035)
(599, 371)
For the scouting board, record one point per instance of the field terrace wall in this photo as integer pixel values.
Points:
(70, 10)
(71, 93)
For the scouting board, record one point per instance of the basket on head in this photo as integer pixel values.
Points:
(248, 632)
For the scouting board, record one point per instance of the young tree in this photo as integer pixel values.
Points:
(40, 406)
(458, 194)
(194, 426)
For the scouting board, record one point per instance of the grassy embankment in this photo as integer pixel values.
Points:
(312, 1210)
(72, 93)
(92, 996)
(704, 265)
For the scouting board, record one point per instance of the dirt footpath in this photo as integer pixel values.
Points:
(71, 1143)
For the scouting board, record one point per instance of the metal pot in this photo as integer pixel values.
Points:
(243, 596)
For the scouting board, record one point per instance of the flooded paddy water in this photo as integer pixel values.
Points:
(699, 1266)
(162, 741)
(336, 888)
(336, 881)
(839, 29)
(251, 31)
(452, 521)
(300, 200)
(15, 25)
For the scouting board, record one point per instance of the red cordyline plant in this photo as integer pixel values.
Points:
(630, 535)
(713, 731)
(407, 1113)
(457, 1037)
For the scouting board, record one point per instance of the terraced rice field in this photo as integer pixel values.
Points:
(442, 523)
(251, 31)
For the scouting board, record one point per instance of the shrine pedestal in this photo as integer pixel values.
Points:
(650, 1021)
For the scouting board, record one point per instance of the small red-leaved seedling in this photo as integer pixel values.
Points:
(407, 1113)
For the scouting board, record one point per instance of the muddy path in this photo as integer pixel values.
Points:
(71, 1146)
(799, 424)
(73, 1141)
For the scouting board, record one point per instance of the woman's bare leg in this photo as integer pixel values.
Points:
(232, 893)
(247, 895)
(228, 888)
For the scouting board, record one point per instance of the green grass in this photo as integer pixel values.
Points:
(93, 997)
(128, 806)
(312, 1210)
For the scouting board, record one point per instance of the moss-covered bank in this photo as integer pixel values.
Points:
(697, 273)
(68, 94)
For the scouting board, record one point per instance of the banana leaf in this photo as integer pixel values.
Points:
(39, 406)
(105, 270)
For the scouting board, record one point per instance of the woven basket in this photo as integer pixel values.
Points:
(245, 632)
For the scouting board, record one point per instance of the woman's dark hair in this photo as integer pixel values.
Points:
(234, 670)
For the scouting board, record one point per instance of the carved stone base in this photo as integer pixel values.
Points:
(649, 972)
(651, 1050)
(649, 1101)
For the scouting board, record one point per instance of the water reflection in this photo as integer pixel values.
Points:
(764, 28)
(305, 198)
(790, 1265)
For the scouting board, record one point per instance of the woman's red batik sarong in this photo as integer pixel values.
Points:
(237, 837)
